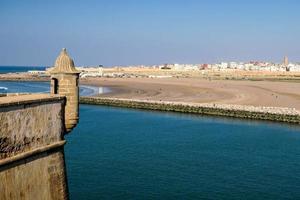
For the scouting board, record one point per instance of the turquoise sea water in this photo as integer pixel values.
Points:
(44, 87)
(117, 153)
(14, 69)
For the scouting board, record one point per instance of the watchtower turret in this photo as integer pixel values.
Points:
(64, 81)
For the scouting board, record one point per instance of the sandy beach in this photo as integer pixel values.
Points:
(239, 92)
(272, 93)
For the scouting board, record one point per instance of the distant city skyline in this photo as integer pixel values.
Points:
(140, 32)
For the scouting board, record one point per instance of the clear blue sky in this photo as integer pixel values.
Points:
(123, 32)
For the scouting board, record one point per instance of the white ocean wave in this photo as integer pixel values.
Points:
(92, 90)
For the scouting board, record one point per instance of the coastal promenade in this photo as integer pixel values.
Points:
(289, 115)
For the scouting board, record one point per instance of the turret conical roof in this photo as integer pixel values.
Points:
(64, 64)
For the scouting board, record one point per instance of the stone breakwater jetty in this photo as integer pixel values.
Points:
(289, 115)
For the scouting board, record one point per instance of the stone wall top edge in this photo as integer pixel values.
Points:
(29, 98)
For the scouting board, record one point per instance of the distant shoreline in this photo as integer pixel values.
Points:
(261, 100)
(196, 90)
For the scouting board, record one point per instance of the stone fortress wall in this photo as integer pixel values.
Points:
(32, 129)
(31, 147)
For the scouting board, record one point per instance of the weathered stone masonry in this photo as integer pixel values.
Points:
(31, 147)
(288, 115)
(32, 129)
(64, 81)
